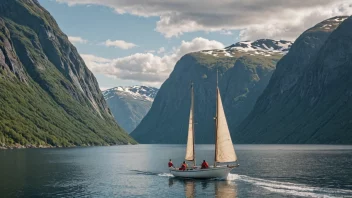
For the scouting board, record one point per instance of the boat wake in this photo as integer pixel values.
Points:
(291, 188)
(165, 175)
(152, 173)
(138, 172)
(300, 190)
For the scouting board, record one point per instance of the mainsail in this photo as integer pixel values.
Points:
(190, 154)
(224, 150)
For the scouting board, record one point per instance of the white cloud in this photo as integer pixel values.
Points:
(275, 19)
(226, 32)
(161, 50)
(120, 44)
(76, 40)
(147, 68)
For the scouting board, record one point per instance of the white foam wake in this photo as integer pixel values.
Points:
(165, 175)
(291, 188)
(294, 189)
(232, 177)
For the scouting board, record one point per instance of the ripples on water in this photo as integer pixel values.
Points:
(130, 171)
(284, 188)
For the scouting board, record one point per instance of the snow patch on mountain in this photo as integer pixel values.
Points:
(264, 47)
(144, 93)
(329, 24)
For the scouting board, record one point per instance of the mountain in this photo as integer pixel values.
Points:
(308, 99)
(48, 97)
(244, 71)
(130, 104)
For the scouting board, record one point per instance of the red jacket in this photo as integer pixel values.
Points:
(171, 164)
(205, 165)
(183, 167)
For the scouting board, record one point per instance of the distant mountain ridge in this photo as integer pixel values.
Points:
(130, 104)
(244, 71)
(269, 45)
(266, 47)
(137, 92)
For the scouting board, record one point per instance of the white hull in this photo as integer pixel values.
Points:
(211, 172)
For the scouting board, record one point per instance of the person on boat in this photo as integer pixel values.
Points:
(171, 164)
(183, 166)
(204, 165)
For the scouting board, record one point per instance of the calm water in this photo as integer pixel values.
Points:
(141, 171)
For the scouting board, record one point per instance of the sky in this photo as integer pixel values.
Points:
(138, 42)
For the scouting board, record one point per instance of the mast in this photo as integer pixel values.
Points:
(194, 137)
(216, 115)
(190, 150)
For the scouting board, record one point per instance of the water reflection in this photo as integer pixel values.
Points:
(190, 189)
(204, 184)
(223, 189)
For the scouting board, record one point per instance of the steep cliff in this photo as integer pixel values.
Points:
(308, 99)
(48, 95)
(244, 71)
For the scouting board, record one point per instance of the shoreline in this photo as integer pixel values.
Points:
(19, 146)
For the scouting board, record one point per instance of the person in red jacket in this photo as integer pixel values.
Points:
(204, 165)
(171, 164)
(183, 166)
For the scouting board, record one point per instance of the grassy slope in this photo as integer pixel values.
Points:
(48, 109)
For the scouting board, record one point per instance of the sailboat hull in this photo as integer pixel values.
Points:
(211, 172)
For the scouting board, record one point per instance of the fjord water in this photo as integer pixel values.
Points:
(141, 171)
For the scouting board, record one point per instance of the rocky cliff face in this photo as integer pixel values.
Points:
(244, 71)
(130, 104)
(308, 99)
(48, 95)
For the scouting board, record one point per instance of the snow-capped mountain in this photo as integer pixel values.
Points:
(264, 47)
(243, 70)
(130, 104)
(330, 24)
(135, 92)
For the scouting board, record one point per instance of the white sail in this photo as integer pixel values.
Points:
(225, 151)
(190, 140)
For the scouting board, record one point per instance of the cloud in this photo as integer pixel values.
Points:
(226, 32)
(120, 44)
(275, 19)
(76, 40)
(161, 50)
(104, 88)
(147, 68)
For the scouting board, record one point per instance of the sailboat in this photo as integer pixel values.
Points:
(224, 150)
